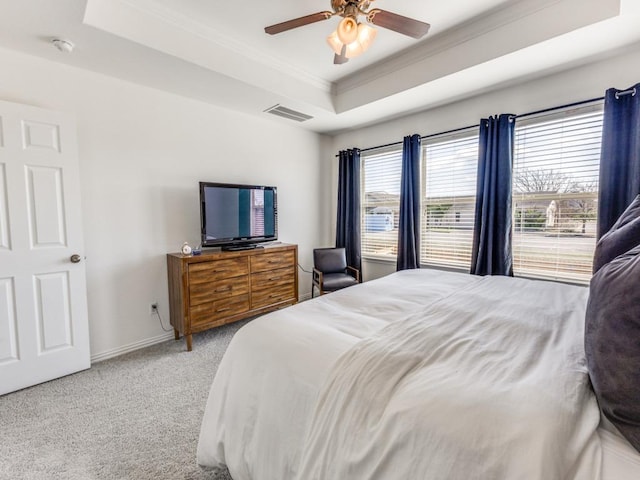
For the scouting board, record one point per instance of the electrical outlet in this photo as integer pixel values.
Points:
(153, 308)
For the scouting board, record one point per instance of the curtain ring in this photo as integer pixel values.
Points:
(631, 92)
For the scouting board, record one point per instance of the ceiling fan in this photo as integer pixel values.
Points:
(352, 37)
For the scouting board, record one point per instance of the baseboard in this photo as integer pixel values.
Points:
(152, 341)
(131, 347)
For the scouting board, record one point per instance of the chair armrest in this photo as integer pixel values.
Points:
(354, 272)
(317, 277)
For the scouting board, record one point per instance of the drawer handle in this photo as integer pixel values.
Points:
(223, 309)
(226, 289)
(274, 278)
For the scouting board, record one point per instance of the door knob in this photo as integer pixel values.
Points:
(75, 258)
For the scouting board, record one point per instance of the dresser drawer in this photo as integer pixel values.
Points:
(272, 261)
(219, 310)
(204, 272)
(274, 295)
(212, 291)
(272, 279)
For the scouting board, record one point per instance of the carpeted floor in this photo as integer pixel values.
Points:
(136, 417)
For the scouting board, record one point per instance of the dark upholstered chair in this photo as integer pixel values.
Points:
(331, 272)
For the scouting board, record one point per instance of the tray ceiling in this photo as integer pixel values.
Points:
(217, 52)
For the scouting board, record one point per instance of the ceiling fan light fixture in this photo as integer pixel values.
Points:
(363, 41)
(352, 38)
(366, 35)
(353, 50)
(334, 42)
(348, 30)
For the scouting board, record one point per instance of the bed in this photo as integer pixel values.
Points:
(420, 374)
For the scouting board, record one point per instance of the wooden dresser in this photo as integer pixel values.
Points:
(220, 287)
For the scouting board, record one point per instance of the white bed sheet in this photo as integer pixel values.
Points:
(490, 383)
(620, 461)
(264, 394)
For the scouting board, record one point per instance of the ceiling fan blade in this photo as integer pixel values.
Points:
(398, 23)
(297, 22)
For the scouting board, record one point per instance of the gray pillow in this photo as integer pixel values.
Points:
(612, 342)
(621, 237)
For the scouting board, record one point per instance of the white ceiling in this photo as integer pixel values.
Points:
(217, 52)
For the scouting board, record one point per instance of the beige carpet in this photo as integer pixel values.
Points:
(136, 416)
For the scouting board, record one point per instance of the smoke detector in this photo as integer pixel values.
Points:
(65, 46)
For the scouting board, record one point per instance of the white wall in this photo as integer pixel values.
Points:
(142, 153)
(585, 82)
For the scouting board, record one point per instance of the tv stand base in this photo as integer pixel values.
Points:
(237, 248)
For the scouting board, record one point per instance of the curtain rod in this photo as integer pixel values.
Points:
(631, 91)
(423, 137)
(568, 105)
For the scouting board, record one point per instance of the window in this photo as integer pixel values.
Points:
(449, 189)
(555, 191)
(381, 201)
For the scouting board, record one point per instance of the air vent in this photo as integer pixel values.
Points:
(288, 113)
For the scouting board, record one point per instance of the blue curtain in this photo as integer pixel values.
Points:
(620, 155)
(492, 252)
(409, 222)
(348, 219)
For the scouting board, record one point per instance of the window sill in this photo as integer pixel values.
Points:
(385, 260)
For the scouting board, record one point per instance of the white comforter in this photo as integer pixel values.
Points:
(418, 375)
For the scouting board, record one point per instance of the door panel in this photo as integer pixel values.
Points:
(4, 215)
(40, 136)
(8, 323)
(46, 211)
(52, 299)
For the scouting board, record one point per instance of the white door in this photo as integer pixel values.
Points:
(43, 302)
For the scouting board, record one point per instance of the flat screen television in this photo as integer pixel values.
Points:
(237, 216)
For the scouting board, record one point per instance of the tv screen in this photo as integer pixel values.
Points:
(237, 215)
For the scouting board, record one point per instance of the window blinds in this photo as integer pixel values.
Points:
(555, 191)
(381, 173)
(449, 187)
